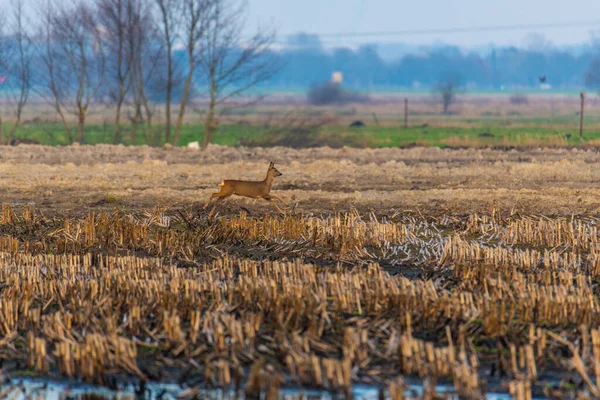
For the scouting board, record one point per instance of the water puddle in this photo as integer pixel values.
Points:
(39, 389)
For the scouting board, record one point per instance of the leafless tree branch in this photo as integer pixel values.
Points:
(146, 49)
(196, 18)
(16, 58)
(230, 64)
(170, 16)
(113, 16)
(74, 60)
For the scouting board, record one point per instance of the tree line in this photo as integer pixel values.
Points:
(150, 61)
(306, 61)
(146, 59)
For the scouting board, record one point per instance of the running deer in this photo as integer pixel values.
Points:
(253, 189)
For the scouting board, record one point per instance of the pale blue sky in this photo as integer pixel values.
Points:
(328, 16)
(331, 16)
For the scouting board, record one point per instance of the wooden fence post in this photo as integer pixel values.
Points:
(405, 113)
(582, 95)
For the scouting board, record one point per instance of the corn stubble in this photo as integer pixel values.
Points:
(166, 295)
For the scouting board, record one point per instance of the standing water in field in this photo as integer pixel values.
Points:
(41, 389)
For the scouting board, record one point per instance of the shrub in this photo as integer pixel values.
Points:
(447, 87)
(518, 98)
(333, 93)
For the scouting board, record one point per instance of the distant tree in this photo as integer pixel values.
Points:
(3, 60)
(537, 42)
(170, 18)
(592, 75)
(447, 88)
(113, 15)
(146, 50)
(332, 93)
(196, 17)
(305, 62)
(304, 41)
(229, 63)
(3, 33)
(16, 84)
(72, 61)
(518, 99)
(326, 93)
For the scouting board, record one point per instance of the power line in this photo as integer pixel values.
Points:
(462, 29)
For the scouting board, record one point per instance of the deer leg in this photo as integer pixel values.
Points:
(212, 196)
(276, 206)
(279, 198)
(209, 200)
(215, 205)
(269, 198)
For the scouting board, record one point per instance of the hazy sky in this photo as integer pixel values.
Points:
(331, 16)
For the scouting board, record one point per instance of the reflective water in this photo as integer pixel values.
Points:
(34, 389)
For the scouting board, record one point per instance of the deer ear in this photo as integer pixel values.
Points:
(271, 164)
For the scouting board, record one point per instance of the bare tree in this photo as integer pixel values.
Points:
(73, 60)
(592, 75)
(170, 19)
(145, 48)
(196, 17)
(447, 88)
(113, 17)
(49, 85)
(2, 39)
(19, 55)
(3, 60)
(230, 64)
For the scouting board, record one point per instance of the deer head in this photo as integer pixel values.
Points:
(272, 170)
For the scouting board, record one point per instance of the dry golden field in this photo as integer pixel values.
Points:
(78, 179)
(474, 268)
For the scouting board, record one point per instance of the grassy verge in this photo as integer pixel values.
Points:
(484, 134)
(53, 133)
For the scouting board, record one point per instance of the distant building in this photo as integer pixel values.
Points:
(337, 77)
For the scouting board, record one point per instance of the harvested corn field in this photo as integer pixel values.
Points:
(473, 269)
